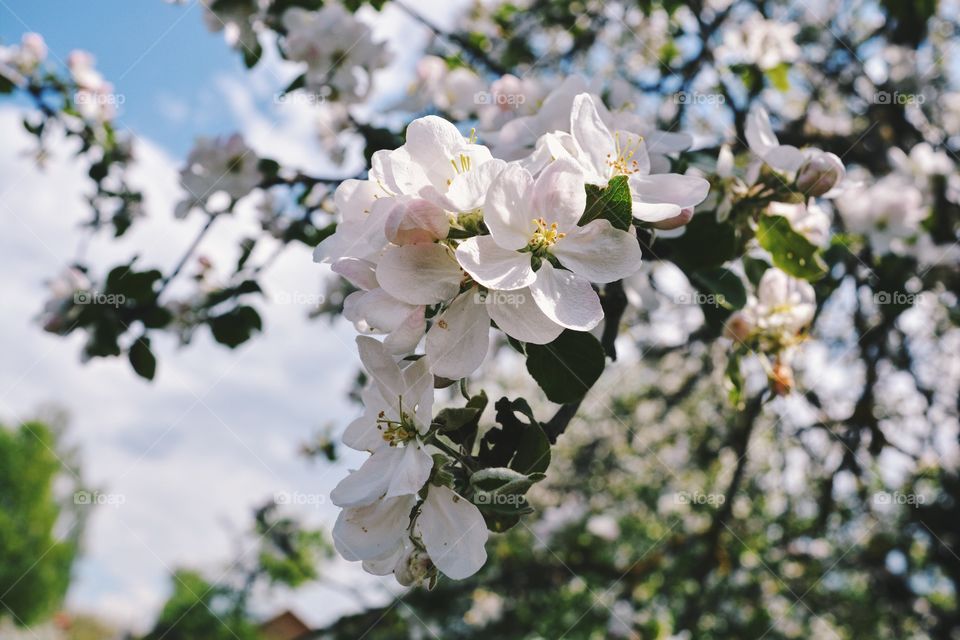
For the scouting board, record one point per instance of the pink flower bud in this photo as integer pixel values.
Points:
(819, 174)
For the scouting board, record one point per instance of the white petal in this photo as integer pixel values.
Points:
(457, 343)
(381, 312)
(419, 273)
(418, 392)
(493, 266)
(507, 211)
(759, 132)
(592, 135)
(387, 473)
(784, 158)
(416, 220)
(373, 531)
(559, 194)
(405, 338)
(600, 252)
(381, 367)
(468, 189)
(360, 273)
(662, 196)
(398, 172)
(518, 316)
(566, 298)
(454, 533)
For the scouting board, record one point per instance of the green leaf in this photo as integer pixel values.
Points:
(791, 252)
(724, 285)
(521, 445)
(567, 367)
(705, 243)
(455, 418)
(755, 268)
(612, 203)
(142, 359)
(236, 326)
(779, 76)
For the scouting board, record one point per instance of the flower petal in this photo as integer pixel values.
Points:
(600, 252)
(593, 137)
(559, 194)
(664, 195)
(458, 342)
(416, 220)
(360, 273)
(566, 298)
(506, 210)
(374, 531)
(454, 533)
(419, 273)
(382, 368)
(387, 473)
(518, 316)
(493, 266)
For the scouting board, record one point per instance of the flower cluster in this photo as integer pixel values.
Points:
(444, 239)
(19, 62)
(218, 172)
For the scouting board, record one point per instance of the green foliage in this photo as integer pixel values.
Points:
(235, 326)
(612, 203)
(567, 367)
(790, 251)
(198, 609)
(34, 562)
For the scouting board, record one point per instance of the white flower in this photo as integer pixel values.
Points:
(360, 231)
(16, 62)
(453, 531)
(437, 163)
(889, 212)
(765, 43)
(218, 166)
(781, 309)
(536, 220)
(809, 220)
(236, 20)
(338, 49)
(604, 154)
(453, 91)
(397, 410)
(374, 533)
(604, 526)
(764, 143)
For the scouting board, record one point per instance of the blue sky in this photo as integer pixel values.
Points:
(155, 53)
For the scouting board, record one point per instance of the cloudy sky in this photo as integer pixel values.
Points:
(216, 432)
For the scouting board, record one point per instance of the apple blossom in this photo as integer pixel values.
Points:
(781, 309)
(765, 144)
(820, 173)
(888, 212)
(215, 166)
(533, 221)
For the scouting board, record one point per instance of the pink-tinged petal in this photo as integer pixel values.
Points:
(360, 273)
(560, 195)
(600, 252)
(419, 273)
(374, 531)
(493, 266)
(458, 341)
(507, 210)
(404, 338)
(676, 222)
(566, 298)
(592, 135)
(663, 196)
(454, 533)
(518, 316)
(416, 220)
(784, 158)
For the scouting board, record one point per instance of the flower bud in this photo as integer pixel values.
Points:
(675, 222)
(820, 173)
(738, 327)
